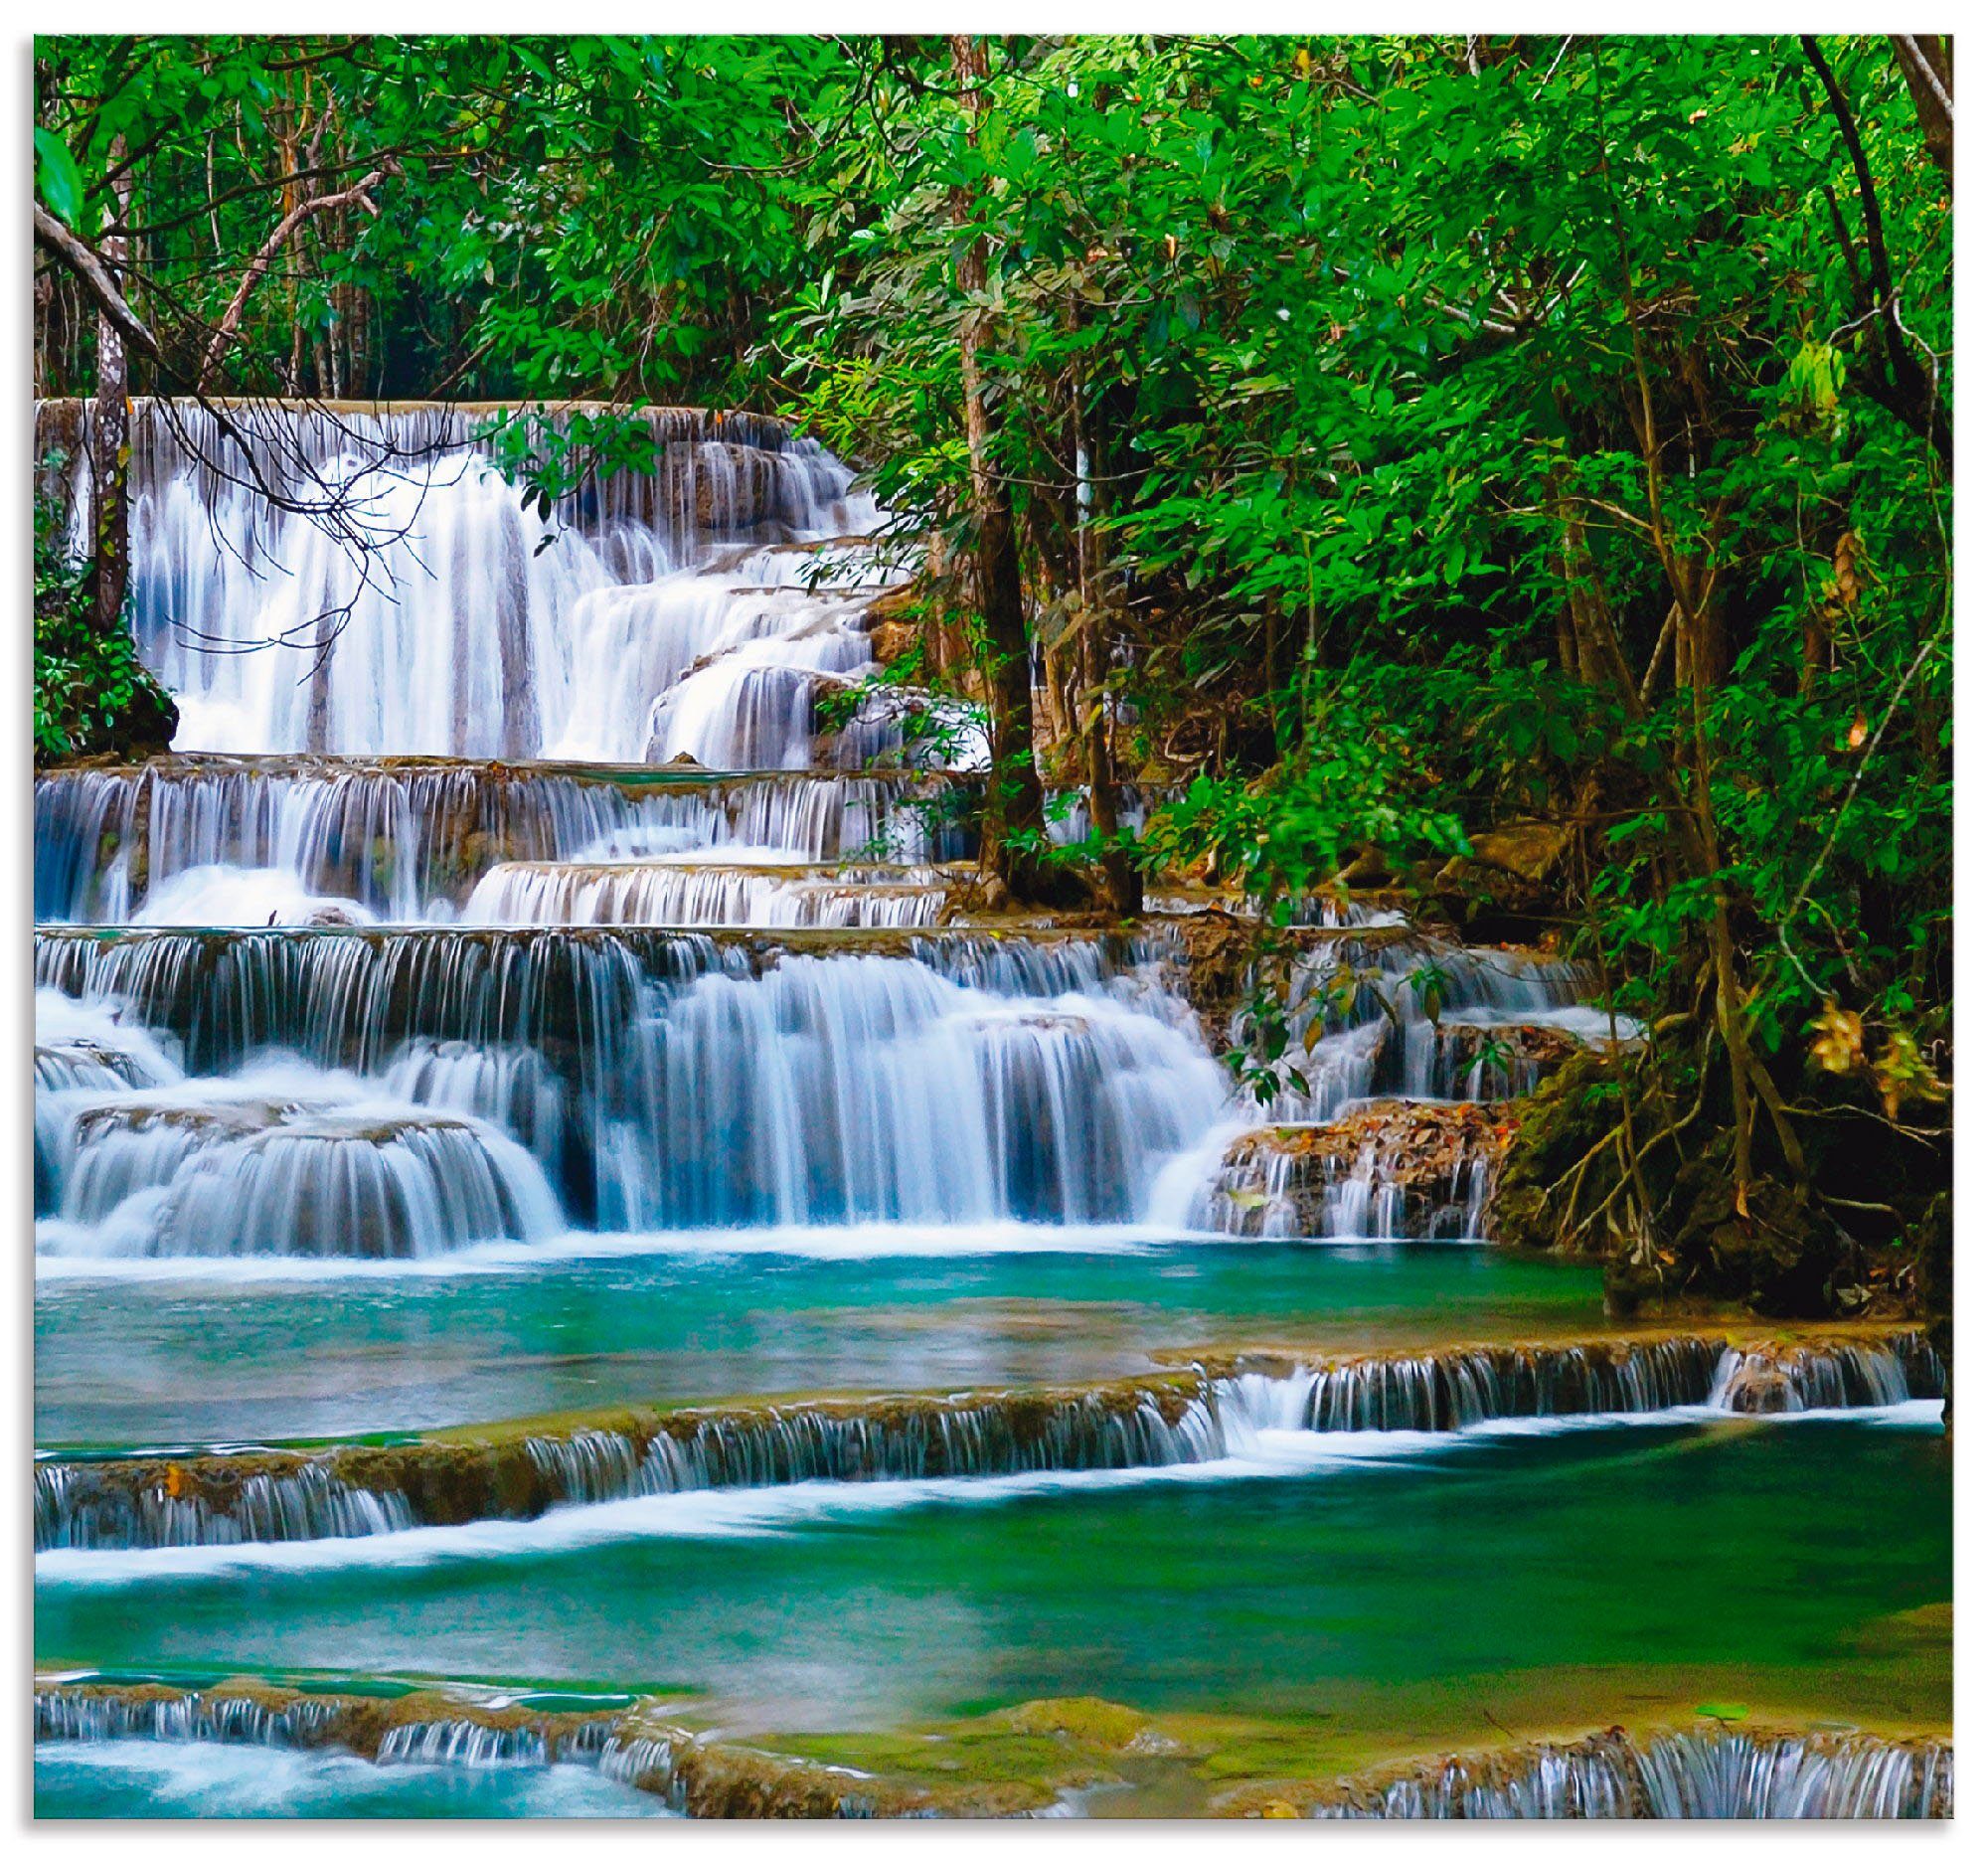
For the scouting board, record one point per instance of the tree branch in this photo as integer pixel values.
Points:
(82, 262)
(359, 193)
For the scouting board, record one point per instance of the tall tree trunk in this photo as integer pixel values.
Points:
(1926, 58)
(111, 428)
(1122, 888)
(1014, 788)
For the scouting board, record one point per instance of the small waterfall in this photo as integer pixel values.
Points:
(62, 1715)
(462, 1740)
(671, 894)
(1847, 1373)
(1402, 1016)
(648, 1763)
(510, 1087)
(282, 1162)
(1458, 1389)
(82, 1050)
(157, 1507)
(407, 842)
(1024, 1435)
(1700, 1774)
(1085, 1436)
(1216, 1412)
(514, 1735)
(1383, 1171)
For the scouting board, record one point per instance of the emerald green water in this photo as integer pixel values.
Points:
(1575, 1575)
(230, 1354)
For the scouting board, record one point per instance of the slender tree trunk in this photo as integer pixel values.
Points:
(110, 431)
(1926, 61)
(1123, 887)
(1014, 788)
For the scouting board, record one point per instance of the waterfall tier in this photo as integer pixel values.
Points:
(360, 581)
(409, 841)
(1708, 1774)
(675, 1079)
(281, 1163)
(1214, 1409)
(1383, 1171)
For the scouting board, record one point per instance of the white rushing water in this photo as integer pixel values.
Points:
(422, 604)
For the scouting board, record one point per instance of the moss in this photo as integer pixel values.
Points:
(1553, 1129)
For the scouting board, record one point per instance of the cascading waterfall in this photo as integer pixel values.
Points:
(1404, 1016)
(285, 1160)
(93, 1717)
(1281, 1195)
(355, 1726)
(1673, 1775)
(528, 866)
(423, 604)
(83, 1051)
(680, 893)
(141, 1501)
(411, 842)
(670, 1082)
(74, 1511)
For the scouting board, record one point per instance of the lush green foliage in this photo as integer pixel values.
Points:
(92, 694)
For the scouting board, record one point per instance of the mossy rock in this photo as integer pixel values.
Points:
(1553, 1128)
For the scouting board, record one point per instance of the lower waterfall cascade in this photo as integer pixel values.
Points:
(531, 1091)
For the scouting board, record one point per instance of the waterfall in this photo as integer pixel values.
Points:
(1220, 1409)
(1398, 1015)
(1700, 1774)
(409, 842)
(283, 1160)
(99, 1717)
(276, 1720)
(671, 1081)
(75, 1510)
(675, 893)
(420, 603)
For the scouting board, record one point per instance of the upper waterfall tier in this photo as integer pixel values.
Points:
(369, 581)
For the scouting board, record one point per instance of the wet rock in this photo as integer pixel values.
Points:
(1393, 1169)
(892, 620)
(1761, 1387)
(1783, 1256)
(737, 487)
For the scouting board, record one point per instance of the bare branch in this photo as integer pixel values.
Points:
(359, 193)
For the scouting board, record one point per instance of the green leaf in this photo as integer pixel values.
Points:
(58, 179)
